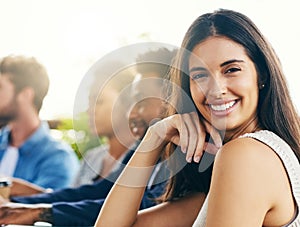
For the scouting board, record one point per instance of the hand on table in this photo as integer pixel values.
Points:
(25, 214)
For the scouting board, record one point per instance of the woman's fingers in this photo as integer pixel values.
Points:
(203, 128)
(168, 129)
(211, 148)
(184, 134)
(200, 133)
(188, 132)
(215, 135)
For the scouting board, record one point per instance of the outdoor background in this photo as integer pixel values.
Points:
(68, 36)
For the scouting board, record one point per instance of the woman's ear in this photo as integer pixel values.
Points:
(262, 82)
(261, 86)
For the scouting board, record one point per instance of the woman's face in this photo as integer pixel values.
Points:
(223, 84)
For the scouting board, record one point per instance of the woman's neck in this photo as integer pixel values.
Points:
(251, 126)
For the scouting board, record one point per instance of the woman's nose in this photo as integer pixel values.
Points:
(217, 86)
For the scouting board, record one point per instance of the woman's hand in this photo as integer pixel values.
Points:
(187, 131)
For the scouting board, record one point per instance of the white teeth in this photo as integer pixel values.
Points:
(222, 107)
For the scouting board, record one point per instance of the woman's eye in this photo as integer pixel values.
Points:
(198, 76)
(232, 70)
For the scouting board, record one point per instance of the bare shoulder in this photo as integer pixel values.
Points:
(244, 174)
(247, 151)
(246, 164)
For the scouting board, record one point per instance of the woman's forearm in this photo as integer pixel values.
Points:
(123, 202)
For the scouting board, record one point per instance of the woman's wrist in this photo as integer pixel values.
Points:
(152, 140)
(141, 165)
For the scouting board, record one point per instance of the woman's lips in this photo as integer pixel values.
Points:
(223, 109)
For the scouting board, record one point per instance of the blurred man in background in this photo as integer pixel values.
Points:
(27, 151)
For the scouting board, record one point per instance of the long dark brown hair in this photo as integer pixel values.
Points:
(275, 112)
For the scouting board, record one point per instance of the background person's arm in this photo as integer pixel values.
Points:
(25, 214)
(94, 191)
(24, 188)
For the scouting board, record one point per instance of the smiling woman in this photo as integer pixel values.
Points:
(233, 76)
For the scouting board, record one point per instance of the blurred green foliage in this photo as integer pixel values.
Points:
(76, 133)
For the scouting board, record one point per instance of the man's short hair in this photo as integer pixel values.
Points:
(156, 61)
(26, 72)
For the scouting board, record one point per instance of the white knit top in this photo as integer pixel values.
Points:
(291, 164)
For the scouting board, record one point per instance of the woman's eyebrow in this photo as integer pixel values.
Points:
(197, 69)
(230, 61)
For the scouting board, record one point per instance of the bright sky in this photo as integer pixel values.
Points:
(68, 36)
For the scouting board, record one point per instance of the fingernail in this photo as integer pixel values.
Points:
(183, 150)
(196, 159)
(189, 159)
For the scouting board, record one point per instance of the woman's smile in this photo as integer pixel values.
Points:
(223, 109)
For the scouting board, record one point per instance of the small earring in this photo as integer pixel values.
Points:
(261, 86)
